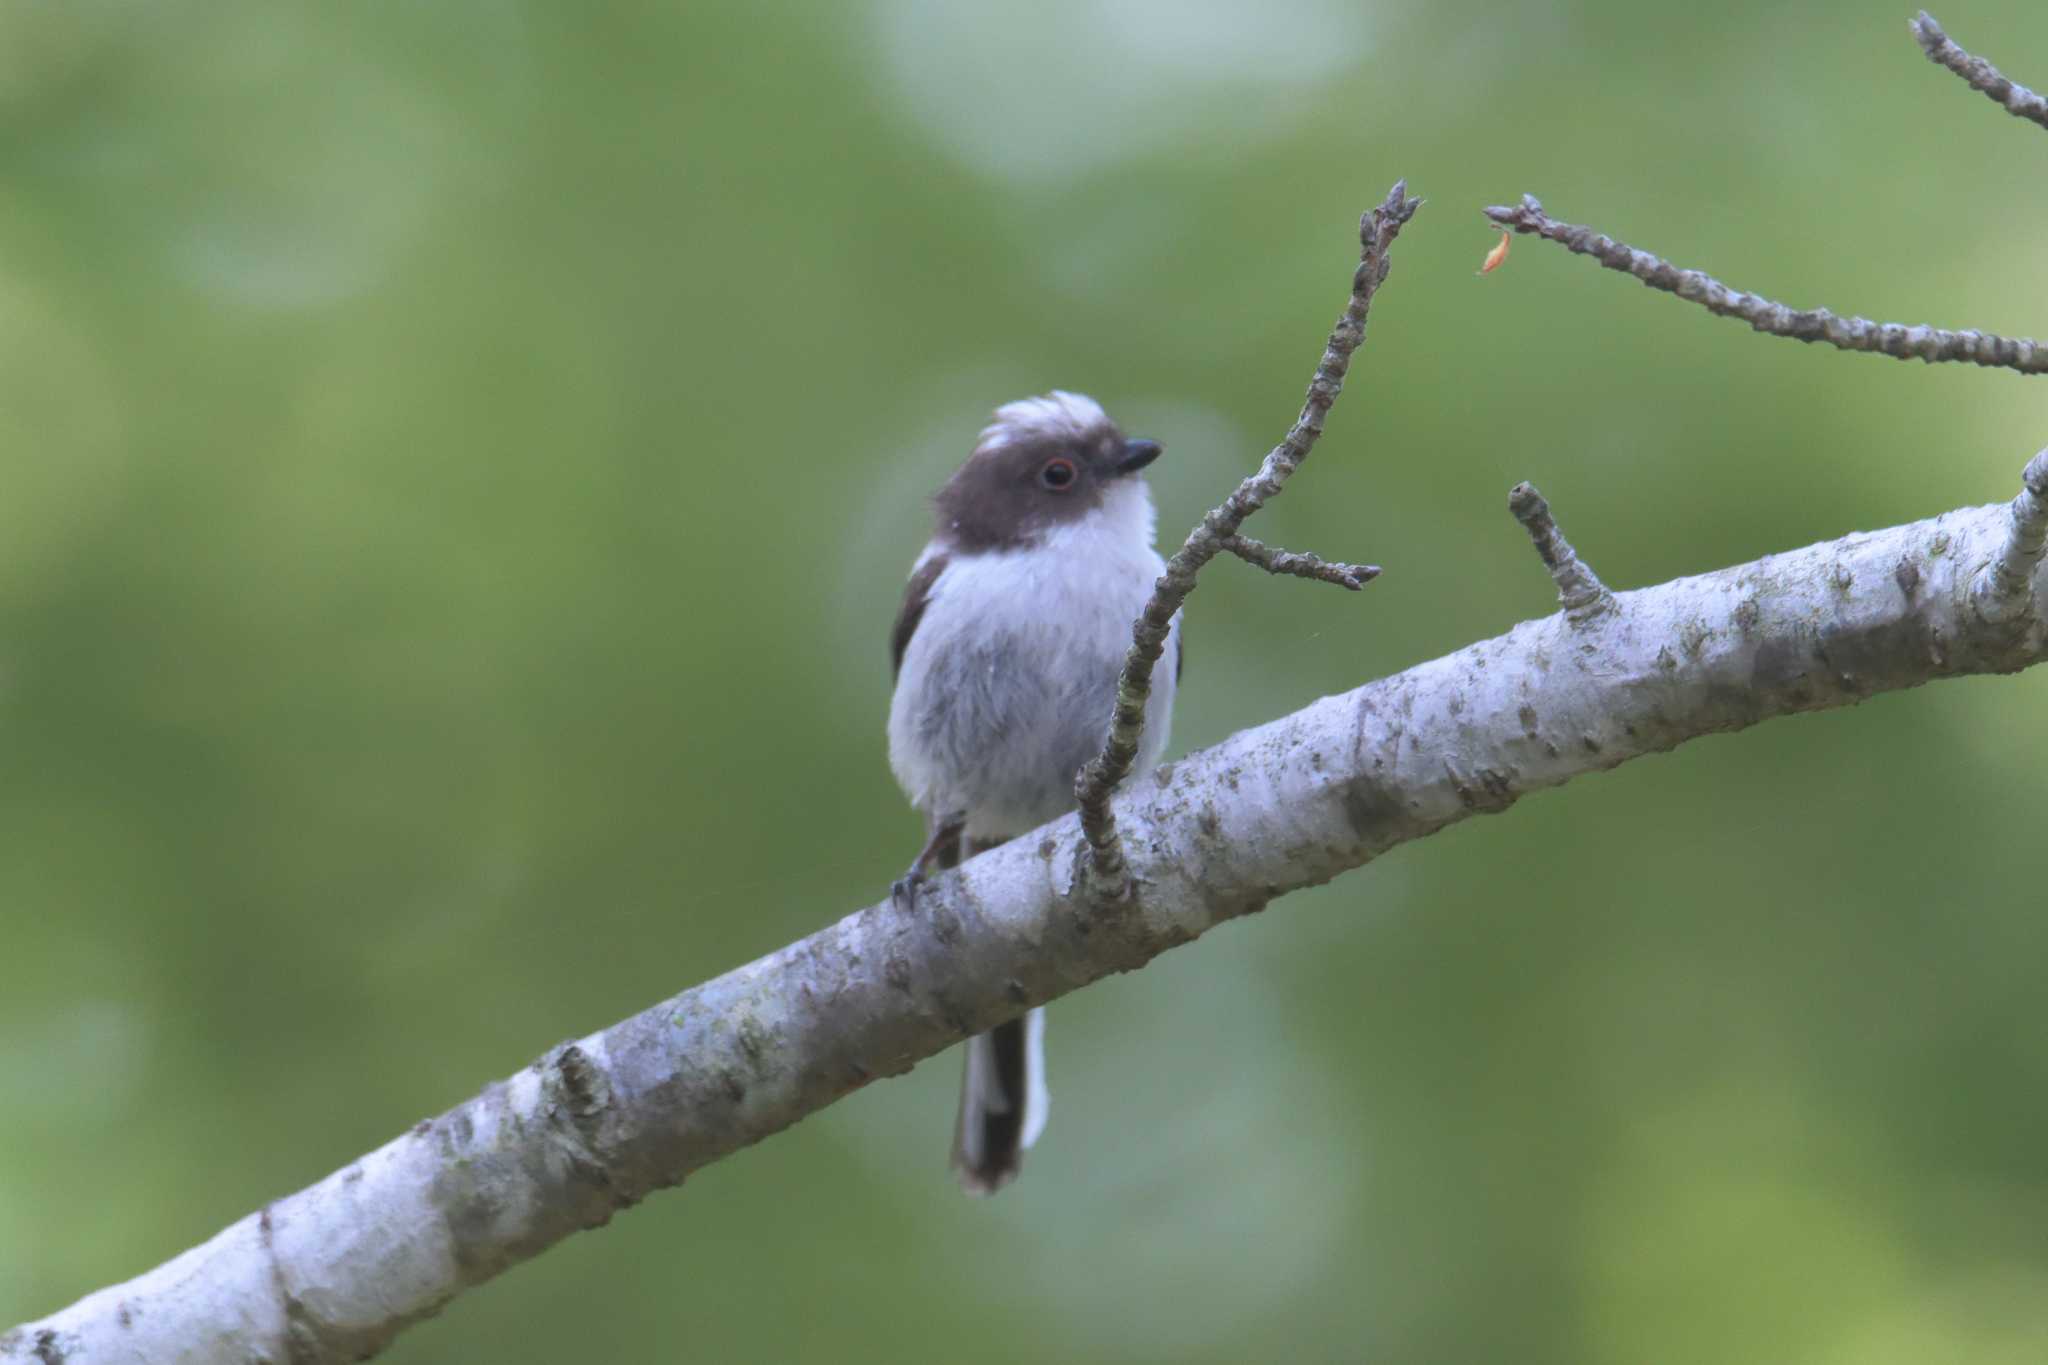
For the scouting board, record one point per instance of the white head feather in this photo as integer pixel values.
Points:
(1059, 413)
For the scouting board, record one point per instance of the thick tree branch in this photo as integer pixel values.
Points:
(334, 1272)
(1094, 784)
(1981, 75)
(1917, 342)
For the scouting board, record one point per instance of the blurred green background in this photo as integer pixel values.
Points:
(458, 462)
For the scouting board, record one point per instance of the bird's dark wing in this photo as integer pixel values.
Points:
(1180, 656)
(916, 594)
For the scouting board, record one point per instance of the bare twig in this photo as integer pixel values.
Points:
(1981, 75)
(2004, 588)
(1275, 560)
(1094, 784)
(1579, 589)
(1917, 342)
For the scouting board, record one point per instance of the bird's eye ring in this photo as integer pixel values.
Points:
(1058, 474)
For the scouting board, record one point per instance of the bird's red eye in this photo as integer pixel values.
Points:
(1058, 474)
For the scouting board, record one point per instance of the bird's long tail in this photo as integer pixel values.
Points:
(1003, 1103)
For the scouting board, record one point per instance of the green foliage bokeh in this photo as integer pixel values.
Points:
(457, 466)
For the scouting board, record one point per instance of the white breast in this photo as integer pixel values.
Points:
(1007, 685)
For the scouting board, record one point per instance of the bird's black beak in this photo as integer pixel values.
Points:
(1137, 454)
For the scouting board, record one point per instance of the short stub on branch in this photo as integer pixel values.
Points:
(2004, 589)
(1579, 590)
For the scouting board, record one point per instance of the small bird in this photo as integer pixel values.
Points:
(1014, 628)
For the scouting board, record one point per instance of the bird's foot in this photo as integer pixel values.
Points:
(903, 891)
(942, 850)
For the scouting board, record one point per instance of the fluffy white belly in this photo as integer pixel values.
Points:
(1006, 687)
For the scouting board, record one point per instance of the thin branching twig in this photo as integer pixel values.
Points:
(1981, 75)
(1275, 560)
(1093, 786)
(1917, 342)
